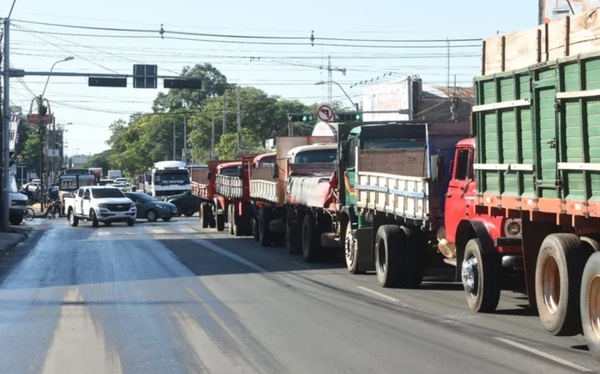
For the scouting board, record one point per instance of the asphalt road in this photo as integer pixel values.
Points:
(169, 297)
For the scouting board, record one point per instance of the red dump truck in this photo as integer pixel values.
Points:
(538, 135)
(203, 186)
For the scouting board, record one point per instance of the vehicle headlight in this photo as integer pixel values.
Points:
(513, 228)
(13, 202)
(102, 205)
(369, 216)
(132, 205)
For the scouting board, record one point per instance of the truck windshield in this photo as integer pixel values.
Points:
(392, 143)
(231, 171)
(107, 192)
(266, 162)
(317, 155)
(166, 177)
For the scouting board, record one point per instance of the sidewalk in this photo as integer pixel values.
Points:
(9, 240)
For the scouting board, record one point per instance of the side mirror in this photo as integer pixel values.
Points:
(209, 176)
(275, 170)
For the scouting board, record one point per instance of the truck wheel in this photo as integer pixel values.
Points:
(212, 223)
(255, 233)
(130, 222)
(293, 238)
(590, 304)
(94, 218)
(204, 220)
(481, 277)
(351, 251)
(189, 213)
(311, 246)
(389, 243)
(220, 222)
(73, 219)
(264, 216)
(230, 219)
(558, 273)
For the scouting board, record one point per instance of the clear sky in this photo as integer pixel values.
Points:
(270, 67)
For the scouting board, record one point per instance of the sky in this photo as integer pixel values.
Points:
(381, 41)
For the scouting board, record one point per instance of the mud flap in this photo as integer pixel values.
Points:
(364, 240)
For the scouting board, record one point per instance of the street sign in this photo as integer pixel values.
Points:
(188, 82)
(325, 112)
(107, 82)
(53, 153)
(34, 118)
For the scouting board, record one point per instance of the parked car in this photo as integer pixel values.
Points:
(150, 208)
(186, 203)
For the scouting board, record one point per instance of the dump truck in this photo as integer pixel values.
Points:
(538, 135)
(203, 186)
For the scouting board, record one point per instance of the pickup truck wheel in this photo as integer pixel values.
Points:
(590, 304)
(264, 236)
(389, 243)
(220, 222)
(311, 245)
(151, 216)
(94, 218)
(107, 223)
(481, 277)
(558, 275)
(73, 219)
(130, 222)
(204, 219)
(15, 219)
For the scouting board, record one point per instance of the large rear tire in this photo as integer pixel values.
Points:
(204, 220)
(94, 218)
(590, 304)
(481, 277)
(311, 245)
(230, 219)
(558, 275)
(264, 235)
(389, 241)
(73, 219)
(220, 222)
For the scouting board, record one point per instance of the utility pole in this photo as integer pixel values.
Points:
(5, 126)
(224, 112)
(184, 159)
(329, 79)
(212, 138)
(541, 4)
(239, 123)
(174, 146)
(42, 132)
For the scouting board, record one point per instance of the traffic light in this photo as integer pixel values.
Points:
(301, 117)
(348, 117)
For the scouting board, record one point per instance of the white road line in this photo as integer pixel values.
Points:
(185, 229)
(223, 252)
(304, 266)
(377, 293)
(103, 233)
(544, 355)
(157, 230)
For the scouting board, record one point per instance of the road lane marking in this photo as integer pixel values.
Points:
(103, 233)
(157, 230)
(382, 295)
(185, 229)
(78, 342)
(544, 355)
(223, 252)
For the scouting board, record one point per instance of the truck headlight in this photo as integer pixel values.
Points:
(513, 228)
(102, 205)
(13, 202)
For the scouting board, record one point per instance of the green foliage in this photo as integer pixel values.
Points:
(100, 160)
(227, 148)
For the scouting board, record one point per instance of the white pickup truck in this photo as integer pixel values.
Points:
(100, 204)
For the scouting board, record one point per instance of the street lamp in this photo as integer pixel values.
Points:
(41, 124)
(341, 88)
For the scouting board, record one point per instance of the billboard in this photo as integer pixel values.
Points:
(392, 97)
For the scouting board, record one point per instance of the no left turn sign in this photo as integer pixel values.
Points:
(325, 112)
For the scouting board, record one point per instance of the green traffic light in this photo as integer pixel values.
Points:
(304, 118)
(357, 117)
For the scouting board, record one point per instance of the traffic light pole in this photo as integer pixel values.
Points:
(5, 130)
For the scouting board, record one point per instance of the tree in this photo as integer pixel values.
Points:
(100, 160)
(227, 148)
(214, 83)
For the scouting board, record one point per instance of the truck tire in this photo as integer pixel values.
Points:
(481, 277)
(264, 235)
(94, 218)
(311, 245)
(230, 219)
(212, 223)
(590, 304)
(220, 222)
(558, 275)
(293, 238)
(15, 219)
(351, 252)
(73, 219)
(204, 218)
(389, 243)
(255, 233)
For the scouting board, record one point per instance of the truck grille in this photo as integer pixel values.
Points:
(20, 202)
(118, 207)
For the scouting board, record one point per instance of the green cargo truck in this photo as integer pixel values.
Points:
(537, 127)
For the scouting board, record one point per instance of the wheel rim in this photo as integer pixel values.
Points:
(470, 276)
(551, 285)
(381, 259)
(594, 305)
(350, 248)
(151, 216)
(71, 216)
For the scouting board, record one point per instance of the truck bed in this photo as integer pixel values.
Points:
(308, 184)
(262, 184)
(538, 134)
(229, 187)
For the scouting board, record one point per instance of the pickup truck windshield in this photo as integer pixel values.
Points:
(317, 155)
(107, 192)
